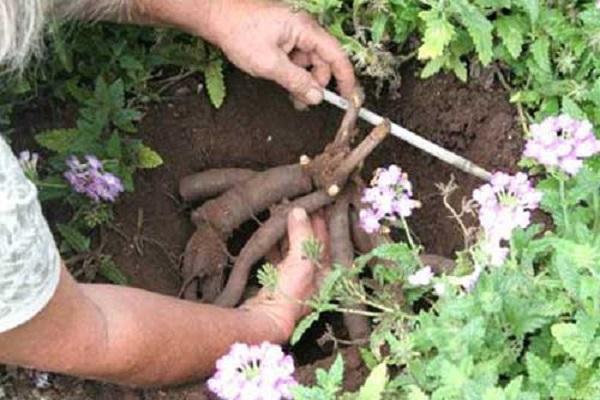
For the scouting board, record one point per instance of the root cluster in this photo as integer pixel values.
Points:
(323, 182)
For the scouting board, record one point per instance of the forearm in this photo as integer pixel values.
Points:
(163, 340)
(129, 336)
(192, 16)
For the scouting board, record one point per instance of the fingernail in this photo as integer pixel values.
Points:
(314, 96)
(300, 214)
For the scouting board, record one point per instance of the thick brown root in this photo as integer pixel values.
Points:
(240, 203)
(204, 261)
(212, 182)
(342, 253)
(259, 244)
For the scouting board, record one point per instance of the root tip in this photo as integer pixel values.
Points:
(333, 190)
(304, 160)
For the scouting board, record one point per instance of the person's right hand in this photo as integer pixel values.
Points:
(298, 277)
(268, 39)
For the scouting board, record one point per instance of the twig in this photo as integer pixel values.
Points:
(412, 138)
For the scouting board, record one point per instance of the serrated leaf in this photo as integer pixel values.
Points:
(398, 252)
(74, 238)
(432, 67)
(510, 31)
(538, 370)
(374, 386)
(577, 341)
(540, 50)
(303, 326)
(215, 82)
(571, 108)
(438, 34)
(58, 140)
(479, 28)
(532, 7)
(148, 158)
(109, 270)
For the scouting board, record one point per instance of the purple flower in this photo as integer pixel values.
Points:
(422, 277)
(253, 373)
(562, 142)
(505, 203)
(389, 198)
(90, 179)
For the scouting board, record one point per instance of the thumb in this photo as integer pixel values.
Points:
(297, 80)
(299, 231)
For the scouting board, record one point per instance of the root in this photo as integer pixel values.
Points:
(212, 182)
(228, 211)
(259, 244)
(204, 261)
(342, 253)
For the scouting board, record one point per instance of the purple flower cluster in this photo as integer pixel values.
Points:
(505, 203)
(253, 373)
(90, 179)
(562, 142)
(389, 198)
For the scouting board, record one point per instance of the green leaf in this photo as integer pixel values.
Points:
(375, 384)
(74, 238)
(215, 82)
(432, 67)
(438, 34)
(540, 50)
(415, 393)
(58, 140)
(479, 28)
(577, 341)
(510, 30)
(303, 326)
(532, 7)
(538, 370)
(110, 271)
(148, 158)
(378, 27)
(400, 253)
(571, 108)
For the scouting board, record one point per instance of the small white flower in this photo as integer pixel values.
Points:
(422, 277)
(439, 289)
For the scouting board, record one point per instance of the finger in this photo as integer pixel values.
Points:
(332, 53)
(321, 71)
(319, 226)
(298, 81)
(274, 256)
(300, 58)
(299, 231)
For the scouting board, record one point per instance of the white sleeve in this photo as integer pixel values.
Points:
(29, 259)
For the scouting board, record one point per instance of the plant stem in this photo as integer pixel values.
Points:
(411, 242)
(563, 201)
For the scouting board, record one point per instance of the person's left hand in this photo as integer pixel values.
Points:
(297, 279)
(268, 39)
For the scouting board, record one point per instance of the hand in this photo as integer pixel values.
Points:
(268, 39)
(298, 278)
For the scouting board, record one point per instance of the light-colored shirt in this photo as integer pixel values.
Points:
(29, 259)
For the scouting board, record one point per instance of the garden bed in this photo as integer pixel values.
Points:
(258, 128)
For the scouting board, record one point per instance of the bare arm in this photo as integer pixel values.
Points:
(265, 38)
(134, 337)
(130, 336)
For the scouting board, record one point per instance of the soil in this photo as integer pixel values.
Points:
(257, 128)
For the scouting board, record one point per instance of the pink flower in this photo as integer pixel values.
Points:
(253, 373)
(504, 204)
(389, 197)
(90, 179)
(562, 142)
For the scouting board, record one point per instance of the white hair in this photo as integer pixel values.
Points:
(22, 23)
